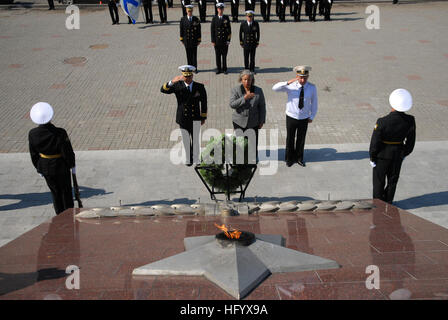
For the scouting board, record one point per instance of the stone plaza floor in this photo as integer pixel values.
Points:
(104, 84)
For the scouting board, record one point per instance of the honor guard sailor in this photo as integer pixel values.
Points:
(52, 156)
(301, 109)
(393, 139)
(191, 107)
(190, 36)
(249, 40)
(221, 32)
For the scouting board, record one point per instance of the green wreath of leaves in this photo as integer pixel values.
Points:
(215, 174)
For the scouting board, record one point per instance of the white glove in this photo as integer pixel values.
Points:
(73, 170)
(40, 174)
(373, 164)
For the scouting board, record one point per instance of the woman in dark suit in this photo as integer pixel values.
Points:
(249, 106)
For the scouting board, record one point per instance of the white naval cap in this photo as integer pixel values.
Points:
(220, 5)
(400, 100)
(302, 70)
(187, 70)
(189, 6)
(41, 113)
(250, 13)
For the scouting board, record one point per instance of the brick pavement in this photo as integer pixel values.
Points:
(112, 100)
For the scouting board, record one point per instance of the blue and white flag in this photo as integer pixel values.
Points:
(131, 8)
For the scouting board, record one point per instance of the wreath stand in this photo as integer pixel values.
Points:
(227, 192)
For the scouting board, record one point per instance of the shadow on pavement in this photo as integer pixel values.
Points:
(318, 155)
(425, 200)
(27, 200)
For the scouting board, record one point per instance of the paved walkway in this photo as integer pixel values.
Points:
(111, 103)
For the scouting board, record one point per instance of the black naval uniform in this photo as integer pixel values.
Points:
(190, 35)
(221, 32)
(297, 9)
(326, 8)
(249, 6)
(113, 10)
(191, 106)
(234, 8)
(202, 6)
(265, 8)
(311, 8)
(147, 5)
(170, 3)
(162, 10)
(52, 156)
(392, 139)
(51, 5)
(282, 10)
(249, 39)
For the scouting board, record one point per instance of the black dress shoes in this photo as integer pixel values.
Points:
(288, 164)
(301, 163)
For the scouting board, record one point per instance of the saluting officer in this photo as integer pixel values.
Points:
(221, 32)
(301, 109)
(190, 35)
(326, 8)
(249, 39)
(202, 5)
(162, 11)
(235, 4)
(393, 139)
(191, 108)
(265, 8)
(52, 156)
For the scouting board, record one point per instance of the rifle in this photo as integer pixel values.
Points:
(76, 187)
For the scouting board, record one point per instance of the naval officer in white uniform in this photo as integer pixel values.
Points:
(301, 109)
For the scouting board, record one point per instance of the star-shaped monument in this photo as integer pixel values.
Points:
(235, 268)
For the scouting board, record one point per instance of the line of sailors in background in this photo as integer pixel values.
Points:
(312, 7)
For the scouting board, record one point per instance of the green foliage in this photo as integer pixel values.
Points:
(215, 174)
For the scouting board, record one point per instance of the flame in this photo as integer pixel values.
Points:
(235, 234)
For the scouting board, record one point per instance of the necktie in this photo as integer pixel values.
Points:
(302, 94)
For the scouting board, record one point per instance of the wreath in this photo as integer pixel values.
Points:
(215, 173)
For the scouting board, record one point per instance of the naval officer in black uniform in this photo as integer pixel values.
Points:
(234, 6)
(147, 6)
(326, 8)
(393, 139)
(52, 156)
(162, 11)
(221, 32)
(249, 39)
(202, 5)
(265, 9)
(190, 36)
(191, 109)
